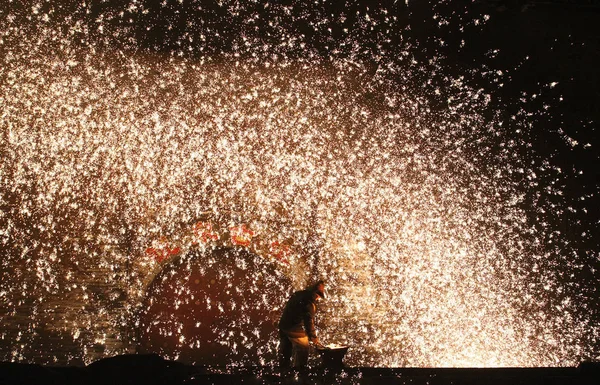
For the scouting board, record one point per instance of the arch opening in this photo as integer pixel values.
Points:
(216, 307)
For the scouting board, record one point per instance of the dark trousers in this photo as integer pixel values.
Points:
(294, 349)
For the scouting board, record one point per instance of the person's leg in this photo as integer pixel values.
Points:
(301, 348)
(285, 350)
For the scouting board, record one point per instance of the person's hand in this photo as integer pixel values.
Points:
(317, 343)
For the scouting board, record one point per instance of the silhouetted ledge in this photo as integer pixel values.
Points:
(153, 370)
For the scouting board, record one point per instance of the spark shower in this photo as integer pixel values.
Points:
(325, 139)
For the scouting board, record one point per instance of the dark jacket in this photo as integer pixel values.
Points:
(297, 319)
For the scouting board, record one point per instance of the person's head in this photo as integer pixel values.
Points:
(317, 289)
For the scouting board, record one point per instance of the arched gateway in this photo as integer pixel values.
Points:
(214, 307)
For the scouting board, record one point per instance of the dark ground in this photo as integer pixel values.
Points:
(153, 370)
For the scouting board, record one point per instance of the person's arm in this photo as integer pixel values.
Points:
(309, 323)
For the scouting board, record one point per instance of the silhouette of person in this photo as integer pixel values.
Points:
(297, 327)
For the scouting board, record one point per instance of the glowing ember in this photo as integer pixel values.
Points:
(325, 140)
